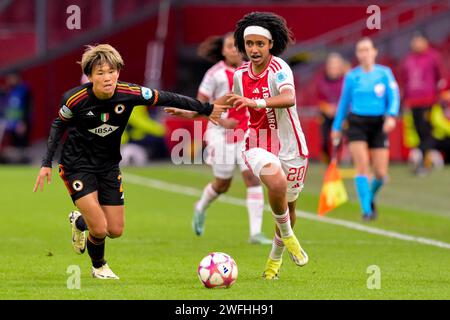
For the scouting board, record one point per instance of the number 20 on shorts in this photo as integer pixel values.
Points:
(296, 174)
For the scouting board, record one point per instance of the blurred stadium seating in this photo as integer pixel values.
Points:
(45, 51)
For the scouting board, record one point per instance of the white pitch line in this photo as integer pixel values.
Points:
(170, 187)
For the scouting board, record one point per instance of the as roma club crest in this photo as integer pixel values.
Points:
(119, 108)
(77, 185)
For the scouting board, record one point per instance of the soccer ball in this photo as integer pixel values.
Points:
(217, 270)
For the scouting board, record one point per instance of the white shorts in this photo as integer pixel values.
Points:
(294, 169)
(224, 157)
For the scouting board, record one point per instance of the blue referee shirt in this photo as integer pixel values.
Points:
(373, 93)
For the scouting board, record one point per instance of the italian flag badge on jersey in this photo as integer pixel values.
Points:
(104, 117)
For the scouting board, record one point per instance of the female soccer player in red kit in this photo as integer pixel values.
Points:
(275, 148)
(224, 149)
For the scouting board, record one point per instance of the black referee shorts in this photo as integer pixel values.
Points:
(108, 184)
(368, 129)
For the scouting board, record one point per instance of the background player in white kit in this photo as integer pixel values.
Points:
(275, 146)
(224, 142)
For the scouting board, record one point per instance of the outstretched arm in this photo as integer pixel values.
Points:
(165, 98)
(214, 117)
(220, 105)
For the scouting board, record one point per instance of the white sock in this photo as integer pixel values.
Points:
(277, 248)
(208, 196)
(255, 208)
(284, 224)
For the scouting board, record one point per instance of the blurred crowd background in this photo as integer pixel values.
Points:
(40, 44)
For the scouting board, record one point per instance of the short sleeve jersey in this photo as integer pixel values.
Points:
(276, 130)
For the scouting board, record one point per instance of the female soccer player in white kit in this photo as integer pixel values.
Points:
(224, 142)
(275, 147)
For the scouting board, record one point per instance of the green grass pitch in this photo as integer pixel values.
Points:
(158, 254)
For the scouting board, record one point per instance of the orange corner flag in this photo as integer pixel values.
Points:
(333, 192)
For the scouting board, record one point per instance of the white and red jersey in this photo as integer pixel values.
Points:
(217, 82)
(277, 130)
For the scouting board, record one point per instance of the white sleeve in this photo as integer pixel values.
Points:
(237, 87)
(207, 86)
(284, 78)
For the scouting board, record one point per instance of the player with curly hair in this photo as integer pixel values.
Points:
(275, 147)
(224, 142)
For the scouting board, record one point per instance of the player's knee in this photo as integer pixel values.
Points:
(379, 175)
(98, 232)
(362, 170)
(252, 181)
(221, 186)
(98, 229)
(115, 232)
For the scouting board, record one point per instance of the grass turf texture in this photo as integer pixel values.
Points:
(158, 254)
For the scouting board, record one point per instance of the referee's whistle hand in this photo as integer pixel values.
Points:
(44, 172)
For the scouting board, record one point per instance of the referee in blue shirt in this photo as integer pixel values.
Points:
(370, 102)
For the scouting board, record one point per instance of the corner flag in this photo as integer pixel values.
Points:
(333, 192)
